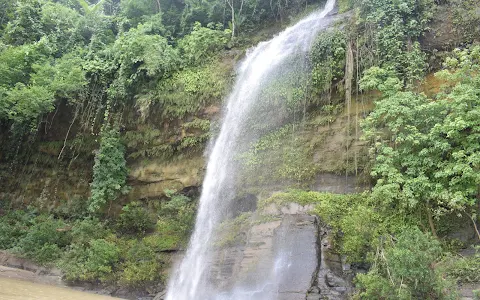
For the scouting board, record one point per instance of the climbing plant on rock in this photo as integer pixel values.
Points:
(110, 170)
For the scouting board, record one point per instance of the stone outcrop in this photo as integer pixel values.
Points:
(151, 179)
(284, 254)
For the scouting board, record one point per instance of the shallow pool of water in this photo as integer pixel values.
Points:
(14, 289)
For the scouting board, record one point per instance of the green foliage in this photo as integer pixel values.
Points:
(16, 62)
(25, 104)
(26, 26)
(202, 43)
(142, 265)
(64, 76)
(466, 18)
(91, 263)
(462, 269)
(328, 59)
(6, 13)
(176, 220)
(356, 224)
(345, 5)
(140, 56)
(391, 29)
(74, 208)
(135, 219)
(279, 155)
(87, 251)
(44, 240)
(232, 231)
(62, 27)
(85, 230)
(90, 8)
(426, 151)
(13, 227)
(148, 143)
(30, 84)
(187, 91)
(138, 11)
(109, 172)
(404, 269)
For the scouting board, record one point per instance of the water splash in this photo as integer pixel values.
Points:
(191, 278)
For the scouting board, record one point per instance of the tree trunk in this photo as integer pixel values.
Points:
(233, 18)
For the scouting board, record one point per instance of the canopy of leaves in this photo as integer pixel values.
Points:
(426, 151)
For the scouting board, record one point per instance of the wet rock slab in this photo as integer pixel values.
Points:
(285, 257)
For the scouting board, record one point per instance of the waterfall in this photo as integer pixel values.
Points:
(287, 50)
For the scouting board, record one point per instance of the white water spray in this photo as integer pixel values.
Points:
(190, 280)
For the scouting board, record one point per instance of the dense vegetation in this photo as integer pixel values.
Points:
(92, 87)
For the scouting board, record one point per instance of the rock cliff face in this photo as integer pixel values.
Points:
(282, 253)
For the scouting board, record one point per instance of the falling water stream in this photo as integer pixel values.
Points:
(191, 278)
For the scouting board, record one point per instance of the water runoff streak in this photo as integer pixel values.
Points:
(190, 280)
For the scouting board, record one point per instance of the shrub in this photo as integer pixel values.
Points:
(73, 208)
(83, 231)
(44, 239)
(94, 262)
(135, 219)
(404, 269)
(198, 46)
(463, 269)
(13, 226)
(141, 266)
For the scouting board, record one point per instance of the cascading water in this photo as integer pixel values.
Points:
(190, 280)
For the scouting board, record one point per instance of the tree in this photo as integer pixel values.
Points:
(25, 26)
(140, 56)
(425, 151)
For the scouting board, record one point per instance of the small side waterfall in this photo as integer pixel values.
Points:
(287, 50)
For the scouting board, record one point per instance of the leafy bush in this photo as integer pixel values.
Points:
(202, 43)
(404, 269)
(176, 220)
(83, 231)
(141, 266)
(395, 25)
(139, 57)
(135, 218)
(44, 239)
(463, 269)
(72, 208)
(25, 104)
(92, 263)
(13, 227)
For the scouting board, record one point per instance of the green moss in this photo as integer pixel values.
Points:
(294, 196)
(355, 223)
(167, 144)
(232, 231)
(191, 89)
